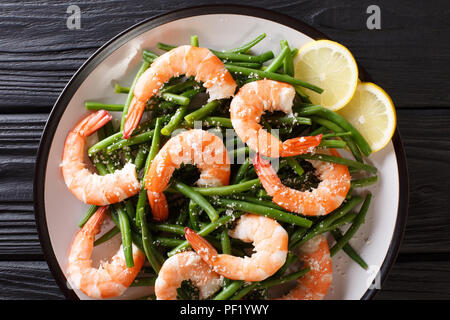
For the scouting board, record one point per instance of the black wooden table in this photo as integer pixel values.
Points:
(409, 57)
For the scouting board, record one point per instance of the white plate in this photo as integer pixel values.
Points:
(219, 27)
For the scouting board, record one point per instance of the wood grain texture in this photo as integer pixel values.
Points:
(27, 280)
(39, 54)
(409, 57)
(417, 280)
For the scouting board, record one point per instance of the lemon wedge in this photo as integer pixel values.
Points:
(372, 112)
(330, 66)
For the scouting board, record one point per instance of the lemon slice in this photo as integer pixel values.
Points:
(372, 112)
(330, 66)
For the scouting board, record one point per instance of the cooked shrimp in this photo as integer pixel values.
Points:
(191, 61)
(314, 285)
(270, 242)
(110, 279)
(197, 147)
(247, 108)
(85, 185)
(329, 194)
(185, 266)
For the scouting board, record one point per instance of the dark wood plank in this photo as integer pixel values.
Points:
(407, 280)
(417, 280)
(38, 53)
(27, 280)
(427, 147)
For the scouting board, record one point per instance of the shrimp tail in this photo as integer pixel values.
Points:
(94, 223)
(93, 122)
(203, 248)
(299, 145)
(158, 203)
(134, 115)
(267, 175)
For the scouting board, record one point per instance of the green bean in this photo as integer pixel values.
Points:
(333, 144)
(349, 217)
(165, 47)
(354, 227)
(301, 237)
(125, 228)
(140, 157)
(229, 290)
(141, 218)
(283, 279)
(117, 137)
(182, 217)
(130, 209)
(167, 242)
(137, 139)
(176, 98)
(147, 243)
(318, 131)
(107, 236)
(197, 197)
(279, 60)
(143, 67)
(203, 112)
(336, 128)
(154, 149)
(167, 227)
(229, 55)
(193, 213)
(238, 152)
(207, 230)
(230, 189)
(346, 162)
(263, 210)
(119, 89)
(358, 183)
(348, 249)
(294, 52)
(303, 96)
(104, 143)
(289, 120)
(194, 41)
(91, 105)
(241, 171)
(89, 213)
(253, 65)
(296, 236)
(256, 200)
(295, 165)
(148, 55)
(225, 241)
(273, 76)
(288, 62)
(179, 87)
(218, 121)
(343, 123)
(174, 122)
(336, 134)
(244, 291)
(245, 47)
(243, 57)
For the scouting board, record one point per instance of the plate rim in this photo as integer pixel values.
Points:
(110, 46)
